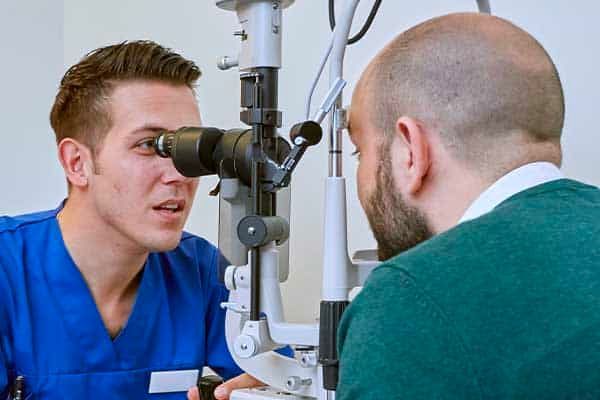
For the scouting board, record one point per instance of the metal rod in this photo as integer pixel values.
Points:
(484, 6)
(336, 68)
(255, 185)
(264, 132)
(335, 140)
(332, 95)
(256, 208)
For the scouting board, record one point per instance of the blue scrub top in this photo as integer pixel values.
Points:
(52, 333)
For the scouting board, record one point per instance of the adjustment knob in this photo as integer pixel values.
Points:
(307, 133)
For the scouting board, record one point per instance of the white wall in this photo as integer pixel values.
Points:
(31, 60)
(202, 32)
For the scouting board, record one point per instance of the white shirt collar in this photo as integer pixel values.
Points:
(517, 180)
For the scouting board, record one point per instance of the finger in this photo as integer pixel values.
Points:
(243, 381)
(193, 394)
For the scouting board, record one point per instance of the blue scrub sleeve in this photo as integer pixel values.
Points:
(3, 377)
(4, 315)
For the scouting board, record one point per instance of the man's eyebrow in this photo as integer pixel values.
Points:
(149, 127)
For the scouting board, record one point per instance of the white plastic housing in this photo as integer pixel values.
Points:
(260, 33)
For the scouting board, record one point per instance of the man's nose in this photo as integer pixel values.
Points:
(169, 173)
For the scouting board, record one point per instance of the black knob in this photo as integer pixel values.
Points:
(309, 131)
(207, 385)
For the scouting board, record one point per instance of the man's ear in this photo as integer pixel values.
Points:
(75, 159)
(412, 134)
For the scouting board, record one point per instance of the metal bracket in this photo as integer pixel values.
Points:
(341, 119)
(264, 116)
(235, 307)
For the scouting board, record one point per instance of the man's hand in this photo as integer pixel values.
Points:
(223, 391)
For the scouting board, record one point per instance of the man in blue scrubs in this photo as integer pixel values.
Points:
(105, 292)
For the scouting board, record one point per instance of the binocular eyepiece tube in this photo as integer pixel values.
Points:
(200, 151)
(191, 149)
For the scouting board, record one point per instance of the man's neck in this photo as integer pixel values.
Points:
(110, 266)
(456, 201)
(446, 201)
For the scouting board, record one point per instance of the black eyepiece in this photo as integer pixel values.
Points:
(191, 149)
(163, 144)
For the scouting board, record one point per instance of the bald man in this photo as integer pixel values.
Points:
(490, 287)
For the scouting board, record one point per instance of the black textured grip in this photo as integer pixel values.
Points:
(207, 385)
(331, 313)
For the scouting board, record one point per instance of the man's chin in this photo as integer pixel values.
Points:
(164, 244)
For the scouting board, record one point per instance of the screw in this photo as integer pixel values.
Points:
(308, 359)
(242, 34)
(294, 383)
(251, 231)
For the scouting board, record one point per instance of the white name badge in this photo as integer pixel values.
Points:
(173, 381)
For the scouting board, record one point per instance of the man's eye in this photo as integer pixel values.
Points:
(356, 153)
(146, 146)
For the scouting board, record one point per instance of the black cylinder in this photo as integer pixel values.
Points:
(331, 314)
(191, 149)
(256, 230)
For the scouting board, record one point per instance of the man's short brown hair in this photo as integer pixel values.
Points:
(80, 110)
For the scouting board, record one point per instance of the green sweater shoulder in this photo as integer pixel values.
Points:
(502, 306)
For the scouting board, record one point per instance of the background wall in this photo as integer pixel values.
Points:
(31, 64)
(39, 42)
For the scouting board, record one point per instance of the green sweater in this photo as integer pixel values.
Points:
(506, 306)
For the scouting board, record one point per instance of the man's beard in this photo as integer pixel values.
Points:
(396, 225)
